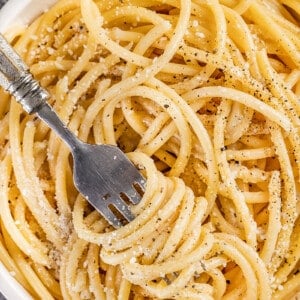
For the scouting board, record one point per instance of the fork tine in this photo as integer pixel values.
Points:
(109, 216)
(123, 208)
(133, 196)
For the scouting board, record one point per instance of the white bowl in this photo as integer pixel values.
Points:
(16, 13)
(21, 12)
(10, 288)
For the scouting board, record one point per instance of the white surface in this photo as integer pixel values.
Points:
(21, 12)
(18, 13)
(10, 288)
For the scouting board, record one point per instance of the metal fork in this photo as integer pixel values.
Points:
(102, 173)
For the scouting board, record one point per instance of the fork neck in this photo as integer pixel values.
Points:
(49, 116)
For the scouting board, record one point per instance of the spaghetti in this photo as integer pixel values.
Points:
(203, 96)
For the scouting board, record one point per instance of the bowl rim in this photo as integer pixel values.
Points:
(10, 287)
(21, 12)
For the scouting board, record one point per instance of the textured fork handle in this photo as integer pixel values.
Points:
(17, 80)
(28, 93)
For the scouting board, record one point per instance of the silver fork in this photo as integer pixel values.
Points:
(102, 173)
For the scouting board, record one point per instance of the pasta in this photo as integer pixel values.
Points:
(203, 96)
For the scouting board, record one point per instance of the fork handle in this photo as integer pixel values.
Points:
(28, 93)
(16, 79)
(33, 98)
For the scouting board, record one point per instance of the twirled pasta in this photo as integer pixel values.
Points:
(203, 96)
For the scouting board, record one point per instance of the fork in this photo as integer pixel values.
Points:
(102, 173)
